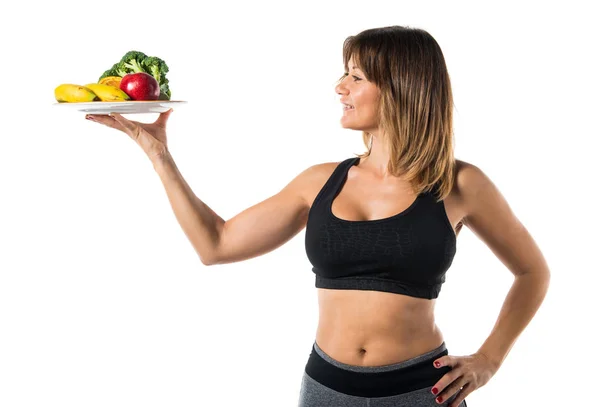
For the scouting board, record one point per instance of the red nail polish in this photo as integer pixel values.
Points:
(434, 390)
(437, 364)
(439, 399)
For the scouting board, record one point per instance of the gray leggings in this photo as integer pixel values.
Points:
(327, 382)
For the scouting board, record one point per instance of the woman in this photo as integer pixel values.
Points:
(381, 232)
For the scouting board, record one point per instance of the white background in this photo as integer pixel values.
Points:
(103, 300)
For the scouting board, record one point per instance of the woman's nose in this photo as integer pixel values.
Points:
(340, 89)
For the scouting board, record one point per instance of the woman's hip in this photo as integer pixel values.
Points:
(327, 381)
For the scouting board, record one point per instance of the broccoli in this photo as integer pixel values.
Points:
(164, 90)
(111, 72)
(118, 69)
(158, 68)
(121, 69)
(135, 61)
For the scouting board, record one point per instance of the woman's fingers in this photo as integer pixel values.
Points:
(136, 130)
(116, 121)
(105, 120)
(131, 128)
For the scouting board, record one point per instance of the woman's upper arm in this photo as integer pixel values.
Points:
(266, 225)
(491, 218)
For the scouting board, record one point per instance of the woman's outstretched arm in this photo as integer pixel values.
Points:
(253, 232)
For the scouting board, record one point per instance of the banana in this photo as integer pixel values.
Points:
(111, 80)
(107, 93)
(68, 92)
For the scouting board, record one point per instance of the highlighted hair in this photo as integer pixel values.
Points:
(415, 106)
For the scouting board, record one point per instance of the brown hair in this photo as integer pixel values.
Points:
(415, 105)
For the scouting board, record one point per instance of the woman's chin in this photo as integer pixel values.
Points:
(348, 126)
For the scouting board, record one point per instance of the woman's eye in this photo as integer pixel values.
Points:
(356, 78)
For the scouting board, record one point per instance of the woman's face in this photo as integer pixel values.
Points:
(362, 96)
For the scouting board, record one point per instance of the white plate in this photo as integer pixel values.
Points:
(124, 107)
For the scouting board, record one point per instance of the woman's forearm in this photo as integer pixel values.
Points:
(522, 302)
(201, 224)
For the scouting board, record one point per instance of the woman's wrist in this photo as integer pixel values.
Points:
(159, 160)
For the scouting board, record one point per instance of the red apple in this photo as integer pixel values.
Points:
(140, 86)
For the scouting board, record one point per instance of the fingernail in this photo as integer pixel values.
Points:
(434, 390)
(437, 364)
(438, 399)
(89, 118)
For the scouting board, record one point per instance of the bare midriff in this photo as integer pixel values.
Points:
(373, 328)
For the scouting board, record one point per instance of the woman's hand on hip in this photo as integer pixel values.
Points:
(151, 137)
(468, 373)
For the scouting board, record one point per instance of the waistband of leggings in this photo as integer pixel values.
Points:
(376, 381)
(385, 368)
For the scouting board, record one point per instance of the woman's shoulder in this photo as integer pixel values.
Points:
(465, 177)
(469, 181)
(314, 178)
(322, 171)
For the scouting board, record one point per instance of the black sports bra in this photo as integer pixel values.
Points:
(407, 253)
